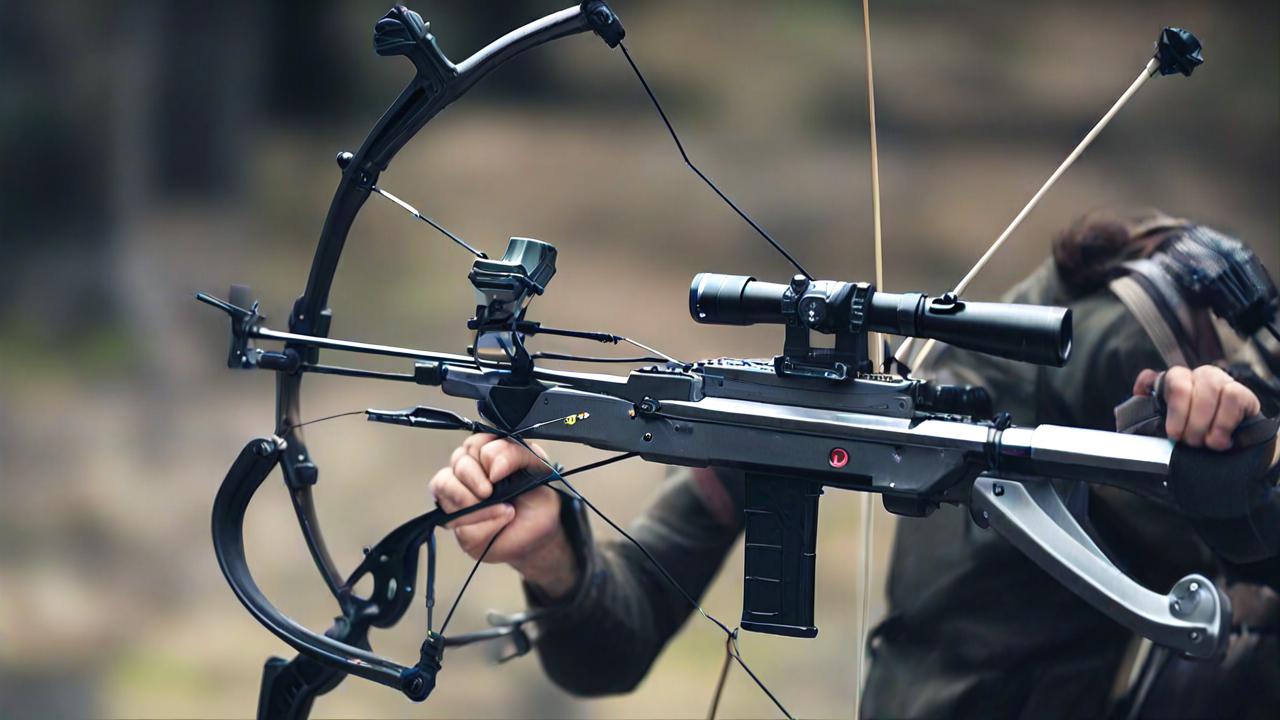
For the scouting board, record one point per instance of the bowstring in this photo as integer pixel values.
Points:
(732, 651)
(489, 546)
(724, 675)
(295, 426)
(476, 566)
(877, 364)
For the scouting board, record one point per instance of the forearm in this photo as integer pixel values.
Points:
(622, 612)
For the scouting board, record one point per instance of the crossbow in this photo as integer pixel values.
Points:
(809, 418)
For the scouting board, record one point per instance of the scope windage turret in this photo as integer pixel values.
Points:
(1030, 333)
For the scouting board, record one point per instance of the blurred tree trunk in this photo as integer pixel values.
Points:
(182, 114)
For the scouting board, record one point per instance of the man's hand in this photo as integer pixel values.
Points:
(532, 540)
(1203, 406)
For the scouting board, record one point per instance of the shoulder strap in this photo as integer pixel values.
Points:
(1153, 299)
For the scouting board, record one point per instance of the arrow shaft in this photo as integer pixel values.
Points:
(1147, 72)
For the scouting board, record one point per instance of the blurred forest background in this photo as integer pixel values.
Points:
(151, 149)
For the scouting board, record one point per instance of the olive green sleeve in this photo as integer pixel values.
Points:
(1111, 348)
(625, 612)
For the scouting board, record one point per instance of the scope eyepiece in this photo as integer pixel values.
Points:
(1031, 333)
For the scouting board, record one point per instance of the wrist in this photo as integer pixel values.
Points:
(552, 569)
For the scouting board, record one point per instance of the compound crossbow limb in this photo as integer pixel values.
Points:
(915, 444)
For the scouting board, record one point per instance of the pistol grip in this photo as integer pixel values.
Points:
(781, 542)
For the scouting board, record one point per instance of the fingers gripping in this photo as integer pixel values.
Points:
(481, 461)
(1203, 406)
(1235, 404)
(471, 474)
(502, 458)
(1208, 382)
(450, 494)
(1177, 398)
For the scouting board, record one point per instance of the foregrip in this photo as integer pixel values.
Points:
(781, 543)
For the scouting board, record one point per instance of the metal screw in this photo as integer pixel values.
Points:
(997, 489)
(648, 437)
(1194, 587)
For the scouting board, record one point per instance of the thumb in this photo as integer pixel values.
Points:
(1145, 383)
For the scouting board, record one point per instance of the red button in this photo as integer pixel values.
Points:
(839, 457)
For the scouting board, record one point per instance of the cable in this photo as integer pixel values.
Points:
(291, 428)
(558, 475)
(653, 561)
(458, 598)
(724, 675)
(594, 359)
(680, 146)
(443, 230)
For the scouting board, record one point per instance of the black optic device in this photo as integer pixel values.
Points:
(1030, 333)
(503, 291)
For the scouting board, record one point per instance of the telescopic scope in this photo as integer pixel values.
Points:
(1030, 333)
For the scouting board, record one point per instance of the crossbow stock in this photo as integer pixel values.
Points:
(811, 417)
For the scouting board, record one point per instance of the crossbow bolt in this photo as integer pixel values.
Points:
(421, 417)
(1177, 51)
